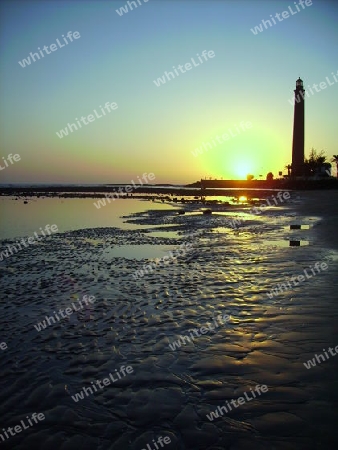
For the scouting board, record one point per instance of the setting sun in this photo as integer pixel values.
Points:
(243, 168)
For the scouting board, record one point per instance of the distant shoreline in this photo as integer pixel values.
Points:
(139, 193)
(201, 188)
(280, 184)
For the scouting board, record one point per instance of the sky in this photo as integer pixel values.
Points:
(246, 86)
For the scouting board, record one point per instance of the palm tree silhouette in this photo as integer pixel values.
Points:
(335, 160)
(289, 167)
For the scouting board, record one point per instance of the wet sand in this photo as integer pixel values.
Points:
(323, 204)
(132, 322)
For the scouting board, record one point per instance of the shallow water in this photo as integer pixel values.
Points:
(67, 213)
(133, 321)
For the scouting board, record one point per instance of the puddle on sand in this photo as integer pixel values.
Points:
(146, 251)
(164, 234)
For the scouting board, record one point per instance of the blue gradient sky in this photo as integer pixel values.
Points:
(154, 129)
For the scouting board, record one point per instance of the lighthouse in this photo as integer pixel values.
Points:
(297, 168)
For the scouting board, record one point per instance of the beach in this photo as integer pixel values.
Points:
(134, 321)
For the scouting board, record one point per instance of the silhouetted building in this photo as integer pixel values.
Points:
(298, 131)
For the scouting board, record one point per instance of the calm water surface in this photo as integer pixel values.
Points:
(19, 219)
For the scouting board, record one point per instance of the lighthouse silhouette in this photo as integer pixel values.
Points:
(297, 167)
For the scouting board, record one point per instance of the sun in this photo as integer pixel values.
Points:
(242, 169)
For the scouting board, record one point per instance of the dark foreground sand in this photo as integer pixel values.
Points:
(170, 393)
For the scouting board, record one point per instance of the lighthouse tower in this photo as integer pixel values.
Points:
(297, 168)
